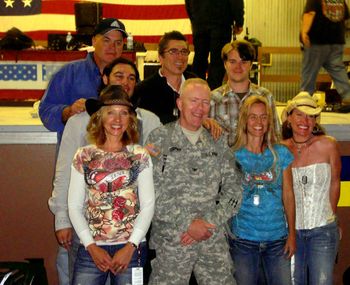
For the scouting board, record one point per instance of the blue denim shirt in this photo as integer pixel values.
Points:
(75, 80)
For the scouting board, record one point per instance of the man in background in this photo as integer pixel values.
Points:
(78, 80)
(213, 23)
(159, 92)
(323, 39)
(226, 100)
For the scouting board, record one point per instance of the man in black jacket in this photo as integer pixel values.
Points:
(159, 92)
(213, 23)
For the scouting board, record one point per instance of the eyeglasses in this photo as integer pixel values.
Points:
(175, 51)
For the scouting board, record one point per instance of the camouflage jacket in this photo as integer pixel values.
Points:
(187, 179)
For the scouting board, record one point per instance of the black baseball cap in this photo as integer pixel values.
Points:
(110, 24)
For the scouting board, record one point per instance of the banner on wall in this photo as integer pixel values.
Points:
(147, 20)
(20, 7)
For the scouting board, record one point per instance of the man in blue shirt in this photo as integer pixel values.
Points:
(76, 81)
(69, 88)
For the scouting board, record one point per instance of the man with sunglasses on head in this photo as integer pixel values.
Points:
(159, 92)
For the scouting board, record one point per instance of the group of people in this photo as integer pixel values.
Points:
(229, 208)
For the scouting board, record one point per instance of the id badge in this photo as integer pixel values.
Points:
(137, 276)
(256, 200)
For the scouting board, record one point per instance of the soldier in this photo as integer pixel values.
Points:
(189, 169)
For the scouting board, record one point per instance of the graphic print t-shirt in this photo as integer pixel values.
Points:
(111, 189)
(261, 216)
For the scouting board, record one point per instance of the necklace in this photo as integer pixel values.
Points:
(300, 145)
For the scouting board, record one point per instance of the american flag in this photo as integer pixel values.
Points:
(147, 20)
(20, 7)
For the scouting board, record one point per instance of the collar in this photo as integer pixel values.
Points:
(227, 90)
(204, 136)
(91, 62)
(174, 89)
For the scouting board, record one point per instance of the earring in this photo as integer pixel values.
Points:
(316, 129)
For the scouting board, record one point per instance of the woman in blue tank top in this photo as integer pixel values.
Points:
(263, 232)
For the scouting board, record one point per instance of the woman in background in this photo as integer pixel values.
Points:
(316, 183)
(111, 195)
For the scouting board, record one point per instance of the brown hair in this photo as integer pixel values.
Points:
(167, 37)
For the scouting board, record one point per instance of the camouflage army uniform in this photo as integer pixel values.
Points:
(187, 179)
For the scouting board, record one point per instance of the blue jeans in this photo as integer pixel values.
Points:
(316, 251)
(330, 57)
(62, 266)
(86, 272)
(248, 256)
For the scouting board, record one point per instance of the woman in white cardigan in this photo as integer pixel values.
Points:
(111, 194)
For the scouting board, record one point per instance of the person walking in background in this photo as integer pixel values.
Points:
(78, 80)
(190, 168)
(226, 100)
(213, 23)
(111, 194)
(263, 231)
(323, 39)
(316, 182)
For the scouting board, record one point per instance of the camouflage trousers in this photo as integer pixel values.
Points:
(210, 260)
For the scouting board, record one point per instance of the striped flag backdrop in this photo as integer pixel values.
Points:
(147, 20)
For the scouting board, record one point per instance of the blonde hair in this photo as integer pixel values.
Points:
(96, 131)
(193, 81)
(270, 137)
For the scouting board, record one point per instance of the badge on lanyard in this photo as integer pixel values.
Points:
(175, 112)
(256, 200)
(137, 276)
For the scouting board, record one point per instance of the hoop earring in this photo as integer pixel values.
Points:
(316, 129)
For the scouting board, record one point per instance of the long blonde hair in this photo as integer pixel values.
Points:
(270, 137)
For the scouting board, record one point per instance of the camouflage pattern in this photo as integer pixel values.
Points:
(187, 179)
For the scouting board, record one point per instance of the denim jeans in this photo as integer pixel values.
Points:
(62, 266)
(330, 57)
(248, 256)
(86, 272)
(316, 251)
